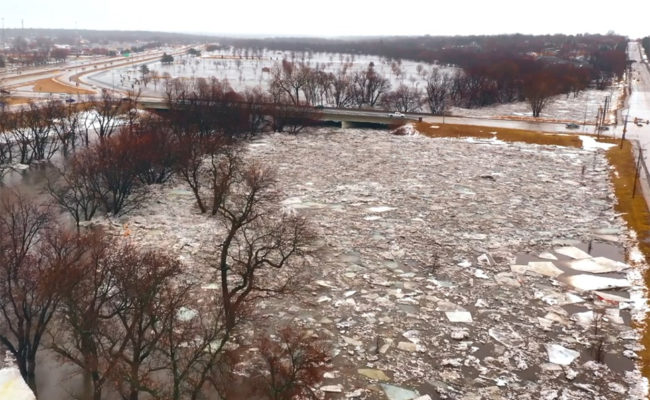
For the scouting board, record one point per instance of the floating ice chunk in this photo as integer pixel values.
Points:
(291, 201)
(484, 259)
(556, 298)
(413, 336)
(479, 273)
(185, 314)
(545, 268)
(380, 209)
(519, 269)
(407, 346)
(584, 319)
(609, 238)
(506, 336)
(398, 393)
(572, 252)
(547, 255)
(459, 316)
(332, 388)
(211, 286)
(464, 264)
(372, 217)
(614, 315)
(597, 265)
(593, 282)
(612, 298)
(446, 306)
(560, 355)
(506, 278)
(375, 374)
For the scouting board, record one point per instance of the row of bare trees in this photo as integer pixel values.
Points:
(299, 84)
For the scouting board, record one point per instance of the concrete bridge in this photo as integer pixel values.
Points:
(347, 117)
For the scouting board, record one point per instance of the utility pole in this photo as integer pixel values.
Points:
(600, 110)
(625, 127)
(636, 172)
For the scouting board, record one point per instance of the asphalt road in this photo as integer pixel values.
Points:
(639, 101)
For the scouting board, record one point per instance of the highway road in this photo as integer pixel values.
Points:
(639, 101)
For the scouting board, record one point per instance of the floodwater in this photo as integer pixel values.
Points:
(615, 361)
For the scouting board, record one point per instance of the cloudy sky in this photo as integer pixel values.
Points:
(336, 17)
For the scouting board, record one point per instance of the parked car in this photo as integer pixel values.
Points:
(396, 114)
(319, 107)
(572, 126)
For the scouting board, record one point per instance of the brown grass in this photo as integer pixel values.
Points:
(508, 135)
(51, 85)
(636, 214)
(17, 100)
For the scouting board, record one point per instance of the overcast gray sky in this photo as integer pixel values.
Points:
(336, 17)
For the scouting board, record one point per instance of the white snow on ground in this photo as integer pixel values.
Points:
(244, 73)
(12, 385)
(589, 143)
(580, 108)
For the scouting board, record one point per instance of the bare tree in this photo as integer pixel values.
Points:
(438, 91)
(76, 188)
(539, 90)
(404, 98)
(87, 312)
(34, 265)
(256, 238)
(293, 364)
(290, 79)
(108, 110)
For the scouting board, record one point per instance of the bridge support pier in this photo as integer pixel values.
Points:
(346, 124)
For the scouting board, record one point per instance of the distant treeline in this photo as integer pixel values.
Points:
(71, 36)
(502, 67)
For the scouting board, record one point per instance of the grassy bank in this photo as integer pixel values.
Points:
(505, 134)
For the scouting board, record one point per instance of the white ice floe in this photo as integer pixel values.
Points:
(593, 282)
(597, 265)
(612, 298)
(380, 209)
(545, 268)
(547, 255)
(572, 252)
(459, 316)
(560, 355)
(185, 314)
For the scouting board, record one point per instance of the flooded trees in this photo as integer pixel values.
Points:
(34, 262)
(294, 363)
(404, 98)
(438, 88)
